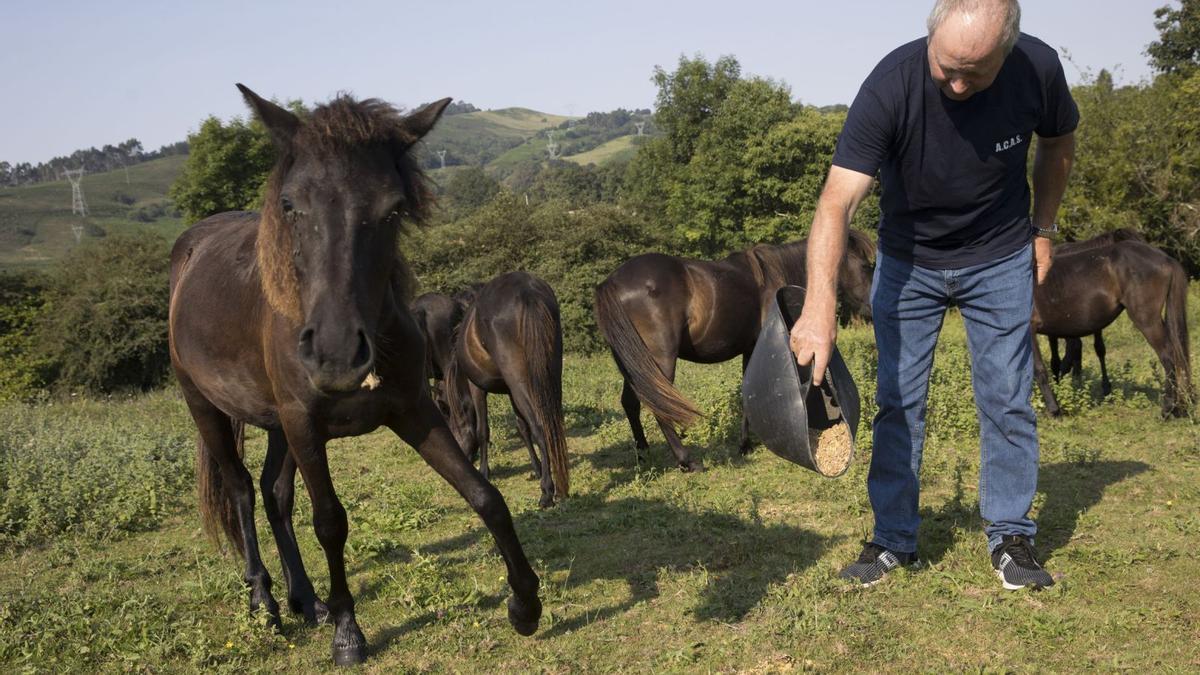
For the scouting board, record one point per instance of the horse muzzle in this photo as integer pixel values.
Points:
(337, 360)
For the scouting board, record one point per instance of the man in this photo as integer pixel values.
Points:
(946, 121)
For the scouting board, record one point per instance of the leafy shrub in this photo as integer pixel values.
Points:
(21, 300)
(104, 323)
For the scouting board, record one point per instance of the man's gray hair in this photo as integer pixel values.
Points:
(1011, 11)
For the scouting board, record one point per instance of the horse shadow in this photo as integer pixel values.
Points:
(1070, 489)
(635, 540)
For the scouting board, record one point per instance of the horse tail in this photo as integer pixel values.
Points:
(637, 364)
(217, 511)
(1177, 330)
(541, 337)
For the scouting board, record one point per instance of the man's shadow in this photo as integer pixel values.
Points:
(1070, 489)
(634, 539)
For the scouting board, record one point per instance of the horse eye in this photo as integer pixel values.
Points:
(286, 204)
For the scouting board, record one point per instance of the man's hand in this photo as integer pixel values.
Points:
(1043, 257)
(812, 341)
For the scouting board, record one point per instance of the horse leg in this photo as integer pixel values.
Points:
(523, 430)
(523, 404)
(682, 456)
(424, 429)
(1105, 383)
(1073, 358)
(278, 485)
(1043, 382)
(483, 433)
(1150, 322)
(1056, 366)
(746, 445)
(223, 447)
(329, 521)
(633, 411)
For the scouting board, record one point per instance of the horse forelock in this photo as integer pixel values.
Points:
(341, 127)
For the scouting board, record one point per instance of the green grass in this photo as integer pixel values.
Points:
(644, 569)
(618, 149)
(36, 220)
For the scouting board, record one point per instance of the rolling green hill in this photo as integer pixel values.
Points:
(36, 220)
(480, 137)
(618, 149)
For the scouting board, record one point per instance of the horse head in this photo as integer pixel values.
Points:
(344, 182)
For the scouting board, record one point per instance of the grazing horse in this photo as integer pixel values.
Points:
(438, 316)
(1072, 362)
(1087, 290)
(656, 308)
(293, 320)
(510, 342)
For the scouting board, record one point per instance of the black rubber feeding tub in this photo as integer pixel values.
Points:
(810, 426)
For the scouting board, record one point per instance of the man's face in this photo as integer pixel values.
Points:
(965, 53)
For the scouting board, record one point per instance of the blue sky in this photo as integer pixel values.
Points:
(77, 74)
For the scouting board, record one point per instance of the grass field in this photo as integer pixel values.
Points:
(644, 569)
(36, 220)
(617, 149)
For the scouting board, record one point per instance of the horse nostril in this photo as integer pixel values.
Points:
(306, 343)
(363, 355)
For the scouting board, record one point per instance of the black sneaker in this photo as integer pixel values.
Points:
(874, 562)
(1017, 566)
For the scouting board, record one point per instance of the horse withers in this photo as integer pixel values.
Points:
(655, 309)
(1087, 290)
(294, 320)
(509, 341)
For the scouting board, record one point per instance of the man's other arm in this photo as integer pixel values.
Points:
(1051, 167)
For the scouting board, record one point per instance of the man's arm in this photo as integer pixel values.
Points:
(1051, 167)
(815, 331)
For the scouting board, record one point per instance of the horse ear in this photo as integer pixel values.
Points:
(420, 122)
(279, 122)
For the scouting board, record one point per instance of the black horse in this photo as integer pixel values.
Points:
(1086, 291)
(294, 321)
(656, 308)
(1072, 361)
(510, 342)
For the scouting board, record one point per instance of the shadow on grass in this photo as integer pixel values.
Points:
(1070, 489)
(635, 540)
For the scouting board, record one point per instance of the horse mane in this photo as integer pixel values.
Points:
(341, 126)
(861, 244)
(771, 263)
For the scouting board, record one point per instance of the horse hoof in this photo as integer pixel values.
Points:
(746, 449)
(349, 656)
(692, 466)
(546, 501)
(524, 619)
(349, 647)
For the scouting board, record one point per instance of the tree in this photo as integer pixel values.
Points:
(103, 327)
(1178, 46)
(226, 168)
(470, 188)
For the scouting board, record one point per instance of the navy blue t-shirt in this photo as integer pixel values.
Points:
(953, 174)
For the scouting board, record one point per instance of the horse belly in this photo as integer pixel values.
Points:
(727, 329)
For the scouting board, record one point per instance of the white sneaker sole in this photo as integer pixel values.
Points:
(1015, 587)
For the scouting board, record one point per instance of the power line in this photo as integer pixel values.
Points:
(78, 204)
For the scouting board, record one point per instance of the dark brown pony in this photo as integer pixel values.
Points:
(1087, 290)
(656, 308)
(510, 342)
(1072, 362)
(294, 321)
(437, 317)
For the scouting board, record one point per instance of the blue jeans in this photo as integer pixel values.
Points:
(908, 303)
